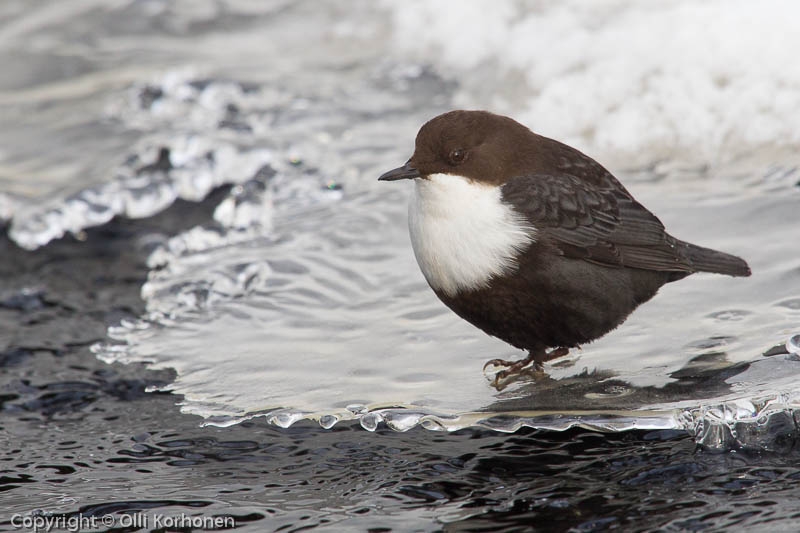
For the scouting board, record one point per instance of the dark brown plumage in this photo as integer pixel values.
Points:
(595, 253)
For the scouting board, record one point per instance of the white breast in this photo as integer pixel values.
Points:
(462, 234)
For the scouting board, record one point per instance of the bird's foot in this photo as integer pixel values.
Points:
(514, 370)
(509, 365)
(506, 377)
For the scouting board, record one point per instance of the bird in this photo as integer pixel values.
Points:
(532, 241)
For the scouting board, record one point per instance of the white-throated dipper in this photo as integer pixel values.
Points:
(532, 241)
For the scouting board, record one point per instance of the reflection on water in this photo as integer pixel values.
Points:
(705, 376)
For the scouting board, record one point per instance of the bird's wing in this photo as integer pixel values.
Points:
(603, 225)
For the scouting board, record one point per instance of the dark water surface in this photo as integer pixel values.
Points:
(83, 438)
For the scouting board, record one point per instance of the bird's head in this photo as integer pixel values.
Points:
(477, 145)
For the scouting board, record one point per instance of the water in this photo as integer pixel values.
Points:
(213, 340)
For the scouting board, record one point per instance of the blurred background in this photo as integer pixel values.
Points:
(88, 84)
(197, 256)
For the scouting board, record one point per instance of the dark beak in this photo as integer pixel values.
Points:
(406, 172)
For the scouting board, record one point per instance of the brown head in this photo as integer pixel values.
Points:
(478, 145)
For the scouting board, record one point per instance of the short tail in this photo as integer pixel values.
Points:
(708, 260)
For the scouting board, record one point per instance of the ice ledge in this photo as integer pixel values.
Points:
(768, 424)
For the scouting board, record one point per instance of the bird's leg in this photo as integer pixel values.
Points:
(513, 368)
(555, 353)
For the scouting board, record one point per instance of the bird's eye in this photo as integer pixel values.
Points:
(457, 156)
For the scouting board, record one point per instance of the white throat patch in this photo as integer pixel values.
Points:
(462, 234)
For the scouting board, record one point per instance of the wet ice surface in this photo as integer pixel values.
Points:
(324, 315)
(294, 294)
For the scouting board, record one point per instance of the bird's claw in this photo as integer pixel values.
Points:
(514, 371)
(499, 362)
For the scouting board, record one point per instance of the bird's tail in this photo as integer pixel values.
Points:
(708, 260)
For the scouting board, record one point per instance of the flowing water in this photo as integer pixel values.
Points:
(209, 305)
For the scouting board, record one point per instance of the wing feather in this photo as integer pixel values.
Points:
(600, 224)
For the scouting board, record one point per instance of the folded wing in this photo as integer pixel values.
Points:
(605, 225)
